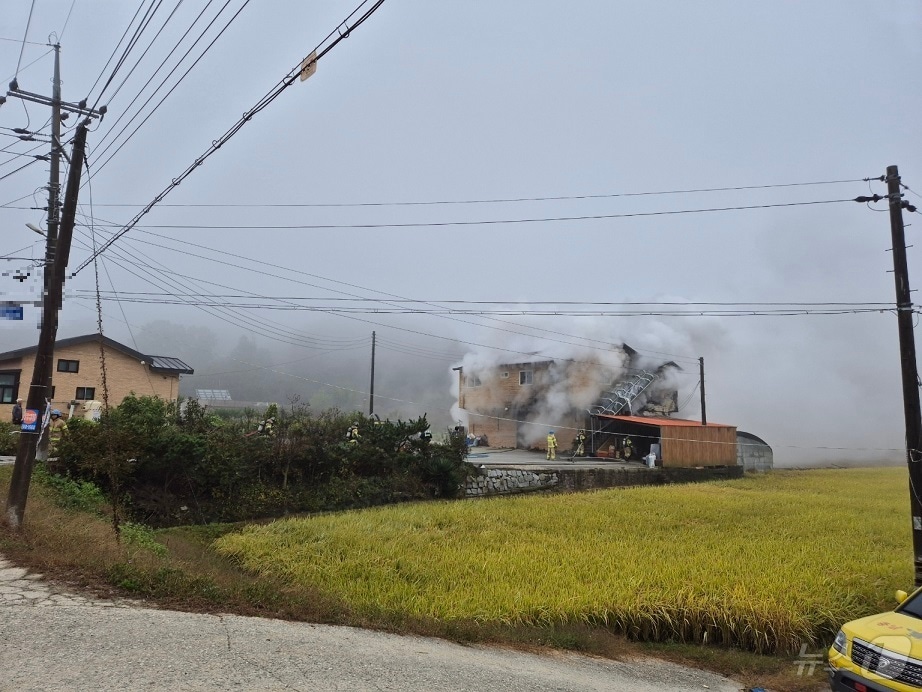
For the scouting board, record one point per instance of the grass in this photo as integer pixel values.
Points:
(765, 563)
(785, 553)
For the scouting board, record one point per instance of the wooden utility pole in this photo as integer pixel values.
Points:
(371, 389)
(44, 357)
(911, 408)
(704, 410)
(54, 201)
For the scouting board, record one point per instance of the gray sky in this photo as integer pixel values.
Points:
(452, 101)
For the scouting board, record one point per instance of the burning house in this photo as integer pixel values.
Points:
(514, 404)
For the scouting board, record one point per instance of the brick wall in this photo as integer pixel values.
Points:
(124, 375)
(496, 397)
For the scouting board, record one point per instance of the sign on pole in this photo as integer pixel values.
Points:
(309, 66)
(30, 420)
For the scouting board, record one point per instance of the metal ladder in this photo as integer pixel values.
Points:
(623, 394)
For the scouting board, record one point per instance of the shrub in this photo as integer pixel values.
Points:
(140, 537)
(70, 493)
(165, 465)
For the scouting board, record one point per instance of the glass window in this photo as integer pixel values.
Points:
(525, 376)
(85, 393)
(68, 365)
(9, 386)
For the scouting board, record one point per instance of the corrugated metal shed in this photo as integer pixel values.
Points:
(683, 443)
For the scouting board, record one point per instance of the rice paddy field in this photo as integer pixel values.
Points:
(765, 563)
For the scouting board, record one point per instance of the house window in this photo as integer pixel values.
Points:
(473, 381)
(504, 375)
(9, 386)
(68, 365)
(85, 393)
(525, 376)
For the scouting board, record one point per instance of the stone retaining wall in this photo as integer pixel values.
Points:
(506, 481)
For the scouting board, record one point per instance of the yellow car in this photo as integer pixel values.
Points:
(881, 652)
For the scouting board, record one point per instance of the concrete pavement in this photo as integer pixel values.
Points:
(54, 640)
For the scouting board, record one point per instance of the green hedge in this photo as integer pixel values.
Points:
(170, 465)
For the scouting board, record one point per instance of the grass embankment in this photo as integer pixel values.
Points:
(764, 563)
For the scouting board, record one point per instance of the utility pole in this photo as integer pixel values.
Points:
(57, 252)
(371, 389)
(54, 196)
(704, 410)
(911, 408)
(44, 357)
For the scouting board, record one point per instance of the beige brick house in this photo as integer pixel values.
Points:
(77, 378)
(515, 404)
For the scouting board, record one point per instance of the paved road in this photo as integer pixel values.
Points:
(54, 640)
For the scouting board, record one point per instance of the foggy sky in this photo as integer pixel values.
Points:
(482, 100)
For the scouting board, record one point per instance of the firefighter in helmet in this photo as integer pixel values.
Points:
(580, 443)
(551, 446)
(352, 434)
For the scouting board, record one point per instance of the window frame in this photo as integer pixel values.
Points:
(526, 377)
(66, 362)
(13, 388)
(92, 396)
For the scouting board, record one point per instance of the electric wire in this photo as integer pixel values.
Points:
(499, 200)
(146, 50)
(115, 50)
(163, 63)
(452, 318)
(110, 143)
(66, 21)
(129, 47)
(273, 94)
(265, 325)
(28, 65)
(25, 37)
(484, 222)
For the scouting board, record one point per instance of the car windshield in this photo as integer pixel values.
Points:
(912, 605)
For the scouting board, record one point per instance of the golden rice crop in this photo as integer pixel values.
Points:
(764, 563)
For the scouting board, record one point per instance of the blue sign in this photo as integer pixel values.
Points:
(30, 419)
(10, 312)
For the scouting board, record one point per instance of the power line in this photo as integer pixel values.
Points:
(341, 309)
(274, 274)
(146, 50)
(66, 20)
(172, 89)
(320, 51)
(25, 36)
(487, 222)
(28, 65)
(132, 42)
(499, 200)
(882, 305)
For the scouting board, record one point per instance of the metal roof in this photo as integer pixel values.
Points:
(169, 364)
(214, 394)
(664, 422)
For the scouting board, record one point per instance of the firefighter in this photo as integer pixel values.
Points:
(580, 443)
(56, 429)
(266, 427)
(352, 434)
(551, 446)
(628, 447)
(426, 435)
